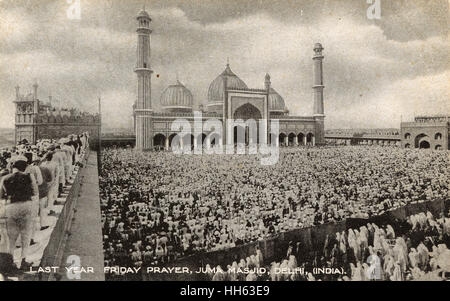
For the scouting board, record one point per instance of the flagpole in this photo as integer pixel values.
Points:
(100, 125)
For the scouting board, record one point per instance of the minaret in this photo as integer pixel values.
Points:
(318, 80)
(318, 95)
(143, 110)
(267, 86)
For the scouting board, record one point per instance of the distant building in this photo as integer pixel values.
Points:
(384, 137)
(36, 119)
(228, 98)
(426, 132)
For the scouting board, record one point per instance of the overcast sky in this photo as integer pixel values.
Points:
(374, 70)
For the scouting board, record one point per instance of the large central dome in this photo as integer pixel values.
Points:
(216, 88)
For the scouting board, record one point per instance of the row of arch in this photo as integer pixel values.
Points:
(173, 140)
(424, 141)
(437, 136)
(425, 145)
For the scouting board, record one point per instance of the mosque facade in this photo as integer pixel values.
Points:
(228, 98)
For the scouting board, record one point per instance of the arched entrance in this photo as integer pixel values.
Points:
(309, 139)
(250, 134)
(201, 140)
(214, 139)
(159, 141)
(240, 135)
(188, 141)
(247, 111)
(174, 140)
(291, 139)
(424, 144)
(422, 141)
(282, 139)
(301, 139)
(438, 147)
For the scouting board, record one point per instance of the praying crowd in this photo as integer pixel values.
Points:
(32, 178)
(370, 253)
(159, 206)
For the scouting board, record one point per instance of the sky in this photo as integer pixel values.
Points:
(377, 72)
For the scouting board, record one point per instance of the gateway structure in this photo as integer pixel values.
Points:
(229, 97)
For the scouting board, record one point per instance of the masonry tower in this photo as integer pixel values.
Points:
(143, 108)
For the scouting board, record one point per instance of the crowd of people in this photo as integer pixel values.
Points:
(370, 253)
(159, 206)
(32, 177)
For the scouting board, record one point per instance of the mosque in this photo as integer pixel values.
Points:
(228, 98)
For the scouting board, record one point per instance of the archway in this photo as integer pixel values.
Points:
(174, 140)
(407, 145)
(438, 147)
(240, 135)
(301, 139)
(282, 139)
(159, 141)
(407, 136)
(424, 144)
(247, 112)
(188, 140)
(438, 136)
(309, 138)
(419, 141)
(291, 139)
(201, 140)
(214, 139)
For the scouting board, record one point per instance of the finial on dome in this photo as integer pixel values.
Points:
(228, 61)
(143, 14)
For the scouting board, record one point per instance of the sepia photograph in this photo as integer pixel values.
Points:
(204, 141)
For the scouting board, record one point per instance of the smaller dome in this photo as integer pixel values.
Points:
(143, 14)
(276, 102)
(177, 97)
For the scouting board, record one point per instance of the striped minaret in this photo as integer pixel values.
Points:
(319, 116)
(318, 80)
(143, 109)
